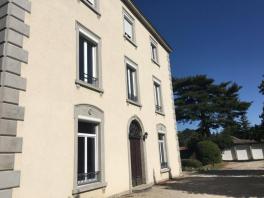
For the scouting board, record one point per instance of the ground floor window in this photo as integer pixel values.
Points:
(162, 151)
(88, 169)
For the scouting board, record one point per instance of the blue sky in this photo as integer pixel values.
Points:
(221, 38)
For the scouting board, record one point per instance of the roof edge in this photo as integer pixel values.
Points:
(133, 8)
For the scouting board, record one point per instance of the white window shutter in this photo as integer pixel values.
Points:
(128, 29)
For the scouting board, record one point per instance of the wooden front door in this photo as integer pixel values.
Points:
(135, 138)
(136, 165)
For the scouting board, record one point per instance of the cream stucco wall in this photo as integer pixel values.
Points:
(47, 161)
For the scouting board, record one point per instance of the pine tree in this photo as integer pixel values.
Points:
(261, 90)
(199, 99)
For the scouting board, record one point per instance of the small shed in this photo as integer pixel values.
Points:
(244, 150)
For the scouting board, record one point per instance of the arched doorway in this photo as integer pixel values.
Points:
(136, 153)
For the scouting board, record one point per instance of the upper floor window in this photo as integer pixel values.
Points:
(132, 86)
(129, 25)
(154, 51)
(88, 59)
(157, 94)
(93, 4)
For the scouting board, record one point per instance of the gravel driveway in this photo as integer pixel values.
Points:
(239, 180)
(256, 165)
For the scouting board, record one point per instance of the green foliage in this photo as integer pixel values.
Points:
(261, 87)
(223, 141)
(191, 163)
(208, 152)
(198, 98)
(185, 136)
(262, 118)
(261, 90)
(258, 133)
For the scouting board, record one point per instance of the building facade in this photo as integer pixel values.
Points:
(86, 103)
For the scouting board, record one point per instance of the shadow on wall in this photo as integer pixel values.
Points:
(248, 184)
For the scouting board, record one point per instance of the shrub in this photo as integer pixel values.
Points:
(223, 141)
(208, 152)
(192, 163)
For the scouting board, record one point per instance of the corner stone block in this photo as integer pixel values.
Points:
(9, 95)
(10, 144)
(7, 162)
(10, 65)
(9, 179)
(12, 81)
(8, 127)
(6, 193)
(10, 111)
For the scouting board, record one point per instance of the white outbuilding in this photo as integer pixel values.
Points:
(244, 150)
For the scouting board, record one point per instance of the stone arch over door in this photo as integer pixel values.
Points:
(137, 152)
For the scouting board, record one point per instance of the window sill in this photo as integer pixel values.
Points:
(130, 41)
(134, 103)
(88, 86)
(165, 170)
(155, 62)
(160, 113)
(89, 187)
(95, 10)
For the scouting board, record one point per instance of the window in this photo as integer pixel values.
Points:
(157, 94)
(89, 63)
(93, 4)
(129, 27)
(154, 51)
(132, 88)
(87, 153)
(89, 165)
(162, 151)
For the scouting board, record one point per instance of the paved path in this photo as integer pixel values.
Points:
(238, 183)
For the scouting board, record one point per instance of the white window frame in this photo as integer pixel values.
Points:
(164, 145)
(158, 95)
(93, 5)
(96, 141)
(127, 17)
(155, 53)
(132, 65)
(97, 73)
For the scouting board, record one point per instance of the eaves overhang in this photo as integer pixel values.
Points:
(139, 15)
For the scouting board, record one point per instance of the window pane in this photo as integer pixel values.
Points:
(129, 83)
(87, 60)
(154, 52)
(91, 158)
(128, 28)
(87, 127)
(80, 156)
(132, 83)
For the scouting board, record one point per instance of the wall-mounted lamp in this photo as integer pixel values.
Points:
(145, 136)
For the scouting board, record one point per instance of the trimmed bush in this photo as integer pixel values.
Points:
(208, 152)
(191, 163)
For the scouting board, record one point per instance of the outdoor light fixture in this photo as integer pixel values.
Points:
(145, 136)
